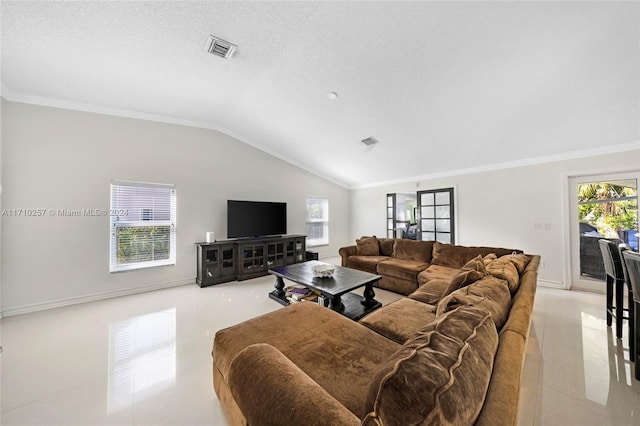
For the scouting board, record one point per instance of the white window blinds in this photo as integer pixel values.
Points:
(317, 220)
(143, 225)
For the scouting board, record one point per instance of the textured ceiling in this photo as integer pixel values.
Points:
(443, 86)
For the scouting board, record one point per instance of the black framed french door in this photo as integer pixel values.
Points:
(391, 215)
(436, 213)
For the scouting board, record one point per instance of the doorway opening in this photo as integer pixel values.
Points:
(602, 206)
(423, 215)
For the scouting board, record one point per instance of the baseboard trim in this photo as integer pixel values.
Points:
(551, 284)
(35, 307)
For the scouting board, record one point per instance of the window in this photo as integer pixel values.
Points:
(317, 221)
(143, 225)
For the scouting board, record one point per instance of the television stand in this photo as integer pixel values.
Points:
(243, 259)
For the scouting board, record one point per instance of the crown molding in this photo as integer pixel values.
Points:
(10, 95)
(570, 155)
(13, 96)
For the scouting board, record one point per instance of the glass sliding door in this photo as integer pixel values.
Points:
(604, 206)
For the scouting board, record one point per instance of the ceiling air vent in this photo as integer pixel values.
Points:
(370, 141)
(217, 46)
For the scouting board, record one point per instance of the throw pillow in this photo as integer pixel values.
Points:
(471, 272)
(439, 377)
(456, 256)
(367, 246)
(505, 269)
(490, 294)
(489, 258)
(386, 246)
(520, 261)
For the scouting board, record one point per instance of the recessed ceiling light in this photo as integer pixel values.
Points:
(332, 95)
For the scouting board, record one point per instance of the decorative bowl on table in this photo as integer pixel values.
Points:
(323, 271)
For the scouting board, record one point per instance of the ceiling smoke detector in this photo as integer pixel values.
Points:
(219, 47)
(370, 141)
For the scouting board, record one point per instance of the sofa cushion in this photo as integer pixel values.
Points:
(489, 258)
(386, 246)
(440, 376)
(471, 272)
(401, 319)
(316, 336)
(520, 261)
(456, 256)
(505, 269)
(437, 272)
(430, 292)
(367, 246)
(489, 294)
(413, 250)
(397, 285)
(402, 268)
(365, 263)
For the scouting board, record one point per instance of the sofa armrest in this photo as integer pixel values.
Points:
(268, 387)
(345, 252)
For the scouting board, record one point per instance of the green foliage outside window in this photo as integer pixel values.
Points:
(606, 207)
(142, 243)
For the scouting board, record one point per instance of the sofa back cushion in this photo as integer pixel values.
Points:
(489, 258)
(509, 268)
(520, 261)
(439, 376)
(489, 294)
(367, 246)
(386, 246)
(456, 256)
(413, 250)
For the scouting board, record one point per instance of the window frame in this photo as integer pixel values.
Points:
(142, 219)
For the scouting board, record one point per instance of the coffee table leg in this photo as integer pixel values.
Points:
(369, 295)
(335, 303)
(279, 287)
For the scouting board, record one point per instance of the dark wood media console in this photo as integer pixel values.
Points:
(242, 259)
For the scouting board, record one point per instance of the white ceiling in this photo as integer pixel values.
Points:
(443, 86)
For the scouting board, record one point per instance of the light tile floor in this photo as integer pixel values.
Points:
(145, 359)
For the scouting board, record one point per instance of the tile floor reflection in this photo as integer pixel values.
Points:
(576, 372)
(142, 357)
(145, 359)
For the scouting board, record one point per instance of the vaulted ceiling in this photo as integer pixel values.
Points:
(443, 86)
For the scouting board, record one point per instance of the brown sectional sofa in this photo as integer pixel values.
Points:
(450, 352)
(405, 265)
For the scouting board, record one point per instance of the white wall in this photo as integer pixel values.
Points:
(500, 208)
(1, 133)
(62, 159)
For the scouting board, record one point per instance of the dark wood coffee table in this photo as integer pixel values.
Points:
(335, 289)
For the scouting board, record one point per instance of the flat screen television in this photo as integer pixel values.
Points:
(250, 219)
